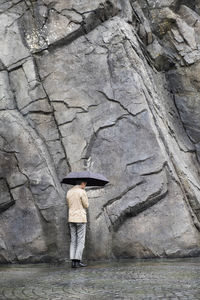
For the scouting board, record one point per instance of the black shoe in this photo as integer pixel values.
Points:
(80, 264)
(73, 263)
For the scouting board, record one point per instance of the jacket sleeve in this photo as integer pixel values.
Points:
(84, 199)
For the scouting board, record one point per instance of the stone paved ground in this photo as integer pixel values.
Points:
(125, 279)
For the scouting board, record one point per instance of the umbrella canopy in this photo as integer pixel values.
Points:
(92, 179)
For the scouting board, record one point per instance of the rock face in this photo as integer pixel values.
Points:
(111, 87)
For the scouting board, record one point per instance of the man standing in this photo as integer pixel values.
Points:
(77, 201)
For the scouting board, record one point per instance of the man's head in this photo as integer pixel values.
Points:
(82, 183)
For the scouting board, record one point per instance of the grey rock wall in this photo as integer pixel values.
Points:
(111, 87)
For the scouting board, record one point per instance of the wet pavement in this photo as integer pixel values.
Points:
(125, 279)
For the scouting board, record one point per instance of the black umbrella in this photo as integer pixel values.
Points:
(92, 179)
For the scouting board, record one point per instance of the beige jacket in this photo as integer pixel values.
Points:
(77, 201)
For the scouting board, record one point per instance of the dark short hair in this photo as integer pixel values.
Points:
(79, 181)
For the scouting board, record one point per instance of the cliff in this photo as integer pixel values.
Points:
(111, 87)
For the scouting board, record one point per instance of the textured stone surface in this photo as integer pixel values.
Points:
(111, 87)
(124, 279)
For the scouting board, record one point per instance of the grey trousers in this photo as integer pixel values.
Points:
(77, 244)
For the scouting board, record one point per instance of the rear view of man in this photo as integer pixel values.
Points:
(77, 201)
